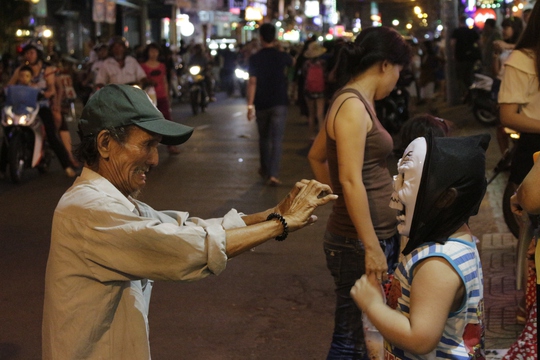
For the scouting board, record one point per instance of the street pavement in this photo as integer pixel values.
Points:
(275, 302)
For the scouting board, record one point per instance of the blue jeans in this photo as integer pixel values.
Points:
(345, 260)
(271, 125)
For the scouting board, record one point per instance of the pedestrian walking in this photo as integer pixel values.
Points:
(156, 74)
(466, 53)
(267, 101)
(490, 33)
(314, 70)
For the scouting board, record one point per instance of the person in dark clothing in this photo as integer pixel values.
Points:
(226, 73)
(267, 99)
(466, 52)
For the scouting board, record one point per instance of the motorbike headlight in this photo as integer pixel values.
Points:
(241, 74)
(195, 70)
(9, 121)
(22, 120)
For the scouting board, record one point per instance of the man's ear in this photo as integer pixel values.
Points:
(447, 198)
(103, 143)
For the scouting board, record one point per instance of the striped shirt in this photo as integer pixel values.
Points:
(463, 334)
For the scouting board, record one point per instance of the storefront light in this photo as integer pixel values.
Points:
(187, 29)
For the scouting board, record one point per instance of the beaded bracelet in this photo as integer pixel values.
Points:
(280, 217)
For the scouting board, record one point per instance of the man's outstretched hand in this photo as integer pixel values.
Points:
(298, 206)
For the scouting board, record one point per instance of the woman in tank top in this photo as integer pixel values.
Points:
(350, 154)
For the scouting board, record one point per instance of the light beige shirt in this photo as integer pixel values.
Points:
(102, 254)
(110, 72)
(520, 84)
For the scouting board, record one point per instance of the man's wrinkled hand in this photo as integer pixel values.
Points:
(298, 206)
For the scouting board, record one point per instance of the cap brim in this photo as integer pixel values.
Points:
(172, 133)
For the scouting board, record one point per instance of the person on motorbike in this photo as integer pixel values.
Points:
(89, 82)
(43, 78)
(199, 57)
(64, 104)
(24, 78)
(119, 67)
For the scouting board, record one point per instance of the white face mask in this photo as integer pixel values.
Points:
(407, 183)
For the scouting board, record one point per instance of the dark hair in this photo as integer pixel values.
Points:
(418, 126)
(87, 152)
(373, 45)
(26, 68)
(517, 26)
(152, 45)
(490, 22)
(529, 39)
(267, 32)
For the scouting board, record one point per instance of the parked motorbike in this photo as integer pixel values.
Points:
(484, 100)
(197, 89)
(508, 148)
(23, 132)
(242, 77)
(393, 110)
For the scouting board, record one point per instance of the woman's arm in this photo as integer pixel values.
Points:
(50, 78)
(518, 121)
(351, 126)
(527, 194)
(317, 158)
(14, 77)
(432, 299)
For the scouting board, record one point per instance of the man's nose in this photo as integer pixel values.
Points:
(153, 157)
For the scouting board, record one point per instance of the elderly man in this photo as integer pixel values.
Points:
(107, 247)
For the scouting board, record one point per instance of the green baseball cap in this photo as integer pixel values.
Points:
(121, 105)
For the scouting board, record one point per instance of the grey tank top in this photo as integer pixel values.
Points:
(375, 175)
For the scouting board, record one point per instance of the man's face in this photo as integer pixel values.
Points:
(118, 51)
(128, 163)
(102, 53)
(407, 183)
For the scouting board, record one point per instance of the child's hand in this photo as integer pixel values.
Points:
(367, 291)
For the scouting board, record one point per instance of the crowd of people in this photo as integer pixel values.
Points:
(382, 230)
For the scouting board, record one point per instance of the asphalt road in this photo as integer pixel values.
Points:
(275, 302)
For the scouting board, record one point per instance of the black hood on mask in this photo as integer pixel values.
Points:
(451, 162)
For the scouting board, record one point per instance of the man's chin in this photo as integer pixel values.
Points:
(135, 194)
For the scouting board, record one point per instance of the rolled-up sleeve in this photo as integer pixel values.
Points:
(118, 245)
(216, 238)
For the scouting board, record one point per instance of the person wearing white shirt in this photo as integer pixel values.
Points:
(107, 247)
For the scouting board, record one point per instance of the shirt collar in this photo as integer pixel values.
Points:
(106, 186)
